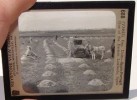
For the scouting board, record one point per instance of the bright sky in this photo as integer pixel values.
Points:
(66, 20)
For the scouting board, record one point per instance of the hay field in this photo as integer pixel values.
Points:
(54, 72)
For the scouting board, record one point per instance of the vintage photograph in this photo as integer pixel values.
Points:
(67, 51)
(73, 50)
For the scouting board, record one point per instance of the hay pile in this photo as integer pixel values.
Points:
(89, 72)
(25, 59)
(50, 67)
(47, 83)
(107, 60)
(84, 66)
(49, 56)
(96, 82)
(48, 73)
(46, 47)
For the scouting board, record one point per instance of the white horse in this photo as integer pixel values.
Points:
(99, 49)
(89, 48)
(96, 49)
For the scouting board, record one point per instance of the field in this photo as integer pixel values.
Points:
(55, 72)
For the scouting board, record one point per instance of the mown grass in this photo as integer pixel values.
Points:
(69, 79)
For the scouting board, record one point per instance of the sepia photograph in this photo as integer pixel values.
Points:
(67, 51)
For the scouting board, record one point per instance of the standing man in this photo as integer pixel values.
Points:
(113, 48)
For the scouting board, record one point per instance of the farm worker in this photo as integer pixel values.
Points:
(9, 12)
(29, 53)
(30, 40)
(56, 37)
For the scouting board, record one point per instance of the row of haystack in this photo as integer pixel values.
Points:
(45, 85)
(89, 72)
(60, 46)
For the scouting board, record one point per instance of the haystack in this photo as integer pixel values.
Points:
(96, 82)
(47, 83)
(25, 59)
(84, 66)
(49, 56)
(89, 72)
(48, 73)
(107, 60)
(50, 66)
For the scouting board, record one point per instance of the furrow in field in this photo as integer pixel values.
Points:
(63, 42)
(60, 46)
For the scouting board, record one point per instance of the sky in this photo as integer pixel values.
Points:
(52, 20)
